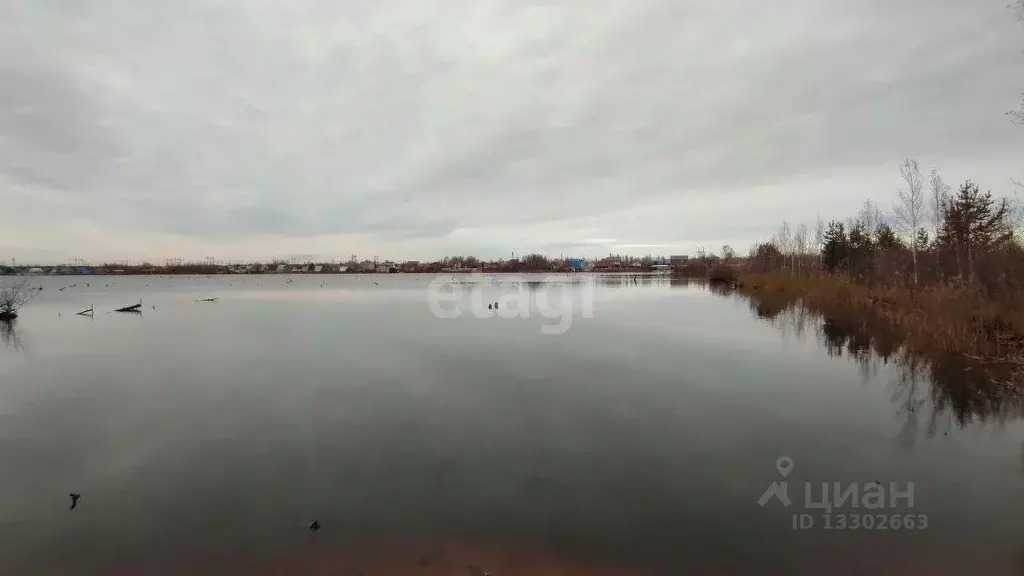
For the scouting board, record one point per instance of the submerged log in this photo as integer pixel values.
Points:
(86, 312)
(132, 308)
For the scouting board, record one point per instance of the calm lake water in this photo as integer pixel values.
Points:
(205, 437)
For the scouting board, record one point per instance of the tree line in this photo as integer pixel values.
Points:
(934, 236)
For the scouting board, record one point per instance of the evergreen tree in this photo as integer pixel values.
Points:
(921, 240)
(860, 249)
(886, 239)
(973, 221)
(834, 250)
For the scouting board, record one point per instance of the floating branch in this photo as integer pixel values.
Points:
(86, 312)
(132, 308)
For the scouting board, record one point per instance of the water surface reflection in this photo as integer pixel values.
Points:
(640, 438)
(937, 389)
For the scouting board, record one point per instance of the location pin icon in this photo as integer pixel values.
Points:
(784, 465)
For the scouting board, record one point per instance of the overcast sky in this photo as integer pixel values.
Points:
(252, 129)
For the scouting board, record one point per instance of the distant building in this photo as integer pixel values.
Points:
(608, 264)
(83, 270)
(281, 269)
(35, 270)
(576, 264)
(678, 260)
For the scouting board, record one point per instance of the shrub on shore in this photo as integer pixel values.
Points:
(14, 295)
(958, 319)
(723, 274)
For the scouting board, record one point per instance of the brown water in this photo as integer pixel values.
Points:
(206, 437)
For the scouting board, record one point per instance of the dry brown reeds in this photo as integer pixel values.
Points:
(941, 317)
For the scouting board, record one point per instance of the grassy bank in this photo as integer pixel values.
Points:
(937, 318)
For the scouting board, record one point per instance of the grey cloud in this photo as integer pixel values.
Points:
(224, 120)
(50, 135)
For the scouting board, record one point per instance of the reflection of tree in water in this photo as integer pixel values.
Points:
(9, 334)
(679, 281)
(907, 389)
(956, 389)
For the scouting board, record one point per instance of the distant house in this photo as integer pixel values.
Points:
(678, 260)
(83, 270)
(281, 269)
(607, 264)
(318, 268)
(35, 270)
(576, 264)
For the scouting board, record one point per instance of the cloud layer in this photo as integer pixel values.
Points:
(249, 128)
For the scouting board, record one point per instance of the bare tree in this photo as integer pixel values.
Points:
(939, 195)
(1018, 115)
(871, 215)
(784, 240)
(909, 210)
(727, 252)
(819, 238)
(800, 245)
(13, 296)
(1018, 208)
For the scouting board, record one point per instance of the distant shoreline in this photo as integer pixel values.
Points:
(619, 271)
